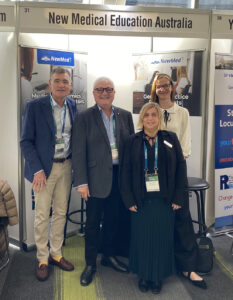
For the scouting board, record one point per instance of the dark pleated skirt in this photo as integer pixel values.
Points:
(152, 243)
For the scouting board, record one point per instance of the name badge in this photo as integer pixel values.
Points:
(152, 182)
(114, 151)
(168, 144)
(60, 145)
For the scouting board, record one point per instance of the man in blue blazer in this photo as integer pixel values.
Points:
(46, 147)
(97, 146)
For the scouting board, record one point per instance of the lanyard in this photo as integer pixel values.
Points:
(156, 154)
(64, 118)
(114, 125)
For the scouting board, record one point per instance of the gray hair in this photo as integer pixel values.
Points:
(60, 70)
(99, 79)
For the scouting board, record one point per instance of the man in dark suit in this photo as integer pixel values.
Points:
(46, 147)
(98, 138)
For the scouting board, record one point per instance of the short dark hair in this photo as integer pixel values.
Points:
(60, 70)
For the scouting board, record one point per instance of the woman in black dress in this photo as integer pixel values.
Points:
(153, 179)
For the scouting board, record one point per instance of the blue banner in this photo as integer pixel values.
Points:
(223, 136)
(223, 142)
(50, 57)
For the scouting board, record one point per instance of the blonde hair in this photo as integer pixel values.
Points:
(143, 111)
(154, 97)
(182, 72)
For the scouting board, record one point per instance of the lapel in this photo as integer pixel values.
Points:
(70, 109)
(118, 126)
(47, 112)
(138, 151)
(100, 124)
(138, 145)
(164, 157)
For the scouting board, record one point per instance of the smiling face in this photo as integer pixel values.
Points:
(163, 89)
(104, 94)
(151, 119)
(60, 86)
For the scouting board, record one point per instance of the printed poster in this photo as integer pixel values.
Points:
(183, 67)
(223, 141)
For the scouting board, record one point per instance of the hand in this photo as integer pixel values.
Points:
(84, 192)
(39, 181)
(175, 206)
(133, 208)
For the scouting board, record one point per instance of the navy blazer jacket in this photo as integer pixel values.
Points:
(38, 135)
(172, 169)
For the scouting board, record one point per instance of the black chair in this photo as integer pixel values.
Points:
(198, 186)
(69, 218)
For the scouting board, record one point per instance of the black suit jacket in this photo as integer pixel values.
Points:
(171, 169)
(91, 151)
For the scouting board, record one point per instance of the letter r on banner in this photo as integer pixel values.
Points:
(223, 182)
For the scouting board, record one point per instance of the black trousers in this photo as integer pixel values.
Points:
(107, 211)
(186, 249)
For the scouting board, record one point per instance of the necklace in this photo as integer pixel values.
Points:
(150, 139)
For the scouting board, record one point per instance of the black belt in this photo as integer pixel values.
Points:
(61, 160)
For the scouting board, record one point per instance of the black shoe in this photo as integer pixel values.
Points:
(87, 275)
(115, 263)
(143, 285)
(199, 283)
(156, 287)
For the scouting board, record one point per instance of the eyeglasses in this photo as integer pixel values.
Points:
(101, 90)
(164, 86)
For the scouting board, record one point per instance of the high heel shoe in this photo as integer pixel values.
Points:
(143, 285)
(199, 283)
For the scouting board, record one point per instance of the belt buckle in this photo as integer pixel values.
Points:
(59, 160)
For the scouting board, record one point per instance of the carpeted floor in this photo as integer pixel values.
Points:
(18, 281)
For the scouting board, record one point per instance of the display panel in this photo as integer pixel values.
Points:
(223, 140)
(185, 69)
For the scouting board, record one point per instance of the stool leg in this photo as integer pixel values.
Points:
(203, 210)
(199, 212)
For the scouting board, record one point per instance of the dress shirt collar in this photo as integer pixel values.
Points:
(170, 110)
(101, 110)
(54, 103)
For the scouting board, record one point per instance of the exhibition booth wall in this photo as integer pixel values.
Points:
(130, 55)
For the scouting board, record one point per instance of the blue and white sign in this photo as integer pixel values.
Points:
(223, 197)
(223, 136)
(223, 141)
(50, 57)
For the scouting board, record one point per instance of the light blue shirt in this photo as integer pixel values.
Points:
(58, 116)
(109, 125)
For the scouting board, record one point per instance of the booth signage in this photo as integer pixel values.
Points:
(50, 57)
(71, 19)
(7, 16)
(223, 140)
(222, 26)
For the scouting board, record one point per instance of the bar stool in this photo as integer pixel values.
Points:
(70, 219)
(199, 185)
